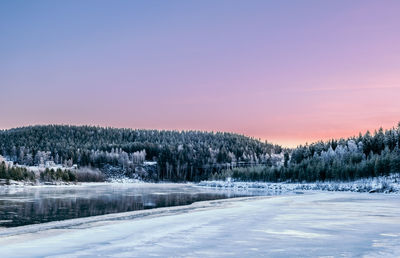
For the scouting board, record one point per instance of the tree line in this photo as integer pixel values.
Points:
(48, 175)
(15, 173)
(367, 155)
(180, 155)
(196, 155)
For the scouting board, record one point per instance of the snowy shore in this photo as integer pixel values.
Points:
(384, 184)
(308, 225)
(4, 182)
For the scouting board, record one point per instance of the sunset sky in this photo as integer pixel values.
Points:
(289, 72)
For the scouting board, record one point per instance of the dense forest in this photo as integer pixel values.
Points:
(195, 155)
(345, 159)
(179, 156)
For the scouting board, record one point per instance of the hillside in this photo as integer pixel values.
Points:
(195, 155)
(185, 155)
(368, 155)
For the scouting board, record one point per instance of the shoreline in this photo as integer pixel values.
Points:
(384, 184)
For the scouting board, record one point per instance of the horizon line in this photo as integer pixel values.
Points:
(283, 145)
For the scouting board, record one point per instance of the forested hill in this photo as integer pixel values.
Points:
(186, 155)
(367, 155)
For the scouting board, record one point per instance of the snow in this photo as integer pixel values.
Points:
(385, 184)
(150, 163)
(307, 225)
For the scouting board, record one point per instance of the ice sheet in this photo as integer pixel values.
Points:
(314, 224)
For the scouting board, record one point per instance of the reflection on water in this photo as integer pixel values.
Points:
(31, 205)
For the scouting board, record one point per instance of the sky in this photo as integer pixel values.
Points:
(289, 72)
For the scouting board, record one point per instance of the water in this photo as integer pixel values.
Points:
(31, 205)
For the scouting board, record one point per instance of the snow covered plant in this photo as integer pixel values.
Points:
(382, 184)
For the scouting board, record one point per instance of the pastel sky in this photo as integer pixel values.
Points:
(290, 72)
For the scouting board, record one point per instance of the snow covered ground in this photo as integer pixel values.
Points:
(382, 184)
(339, 224)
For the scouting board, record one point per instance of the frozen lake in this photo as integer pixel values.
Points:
(31, 205)
(317, 224)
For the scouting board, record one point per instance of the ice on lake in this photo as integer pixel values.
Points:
(333, 224)
(38, 204)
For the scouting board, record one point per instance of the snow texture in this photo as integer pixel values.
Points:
(339, 224)
(383, 184)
